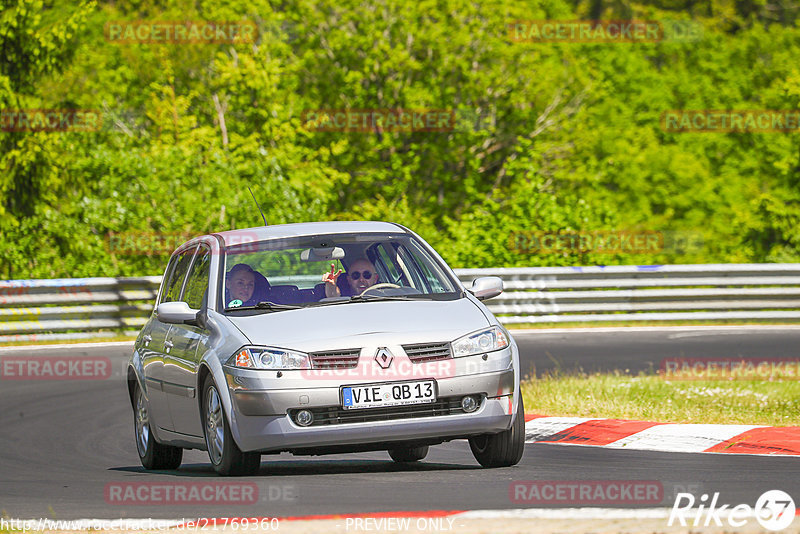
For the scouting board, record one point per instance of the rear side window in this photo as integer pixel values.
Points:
(175, 276)
(197, 281)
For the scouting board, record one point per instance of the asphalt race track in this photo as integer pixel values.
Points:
(637, 349)
(64, 442)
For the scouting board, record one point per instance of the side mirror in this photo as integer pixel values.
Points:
(176, 313)
(486, 287)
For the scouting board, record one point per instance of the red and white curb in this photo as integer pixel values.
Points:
(664, 437)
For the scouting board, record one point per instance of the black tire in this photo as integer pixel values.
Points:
(152, 454)
(410, 454)
(226, 457)
(504, 449)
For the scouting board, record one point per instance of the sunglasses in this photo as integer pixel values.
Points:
(355, 275)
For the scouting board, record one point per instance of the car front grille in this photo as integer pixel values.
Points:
(335, 415)
(335, 359)
(428, 352)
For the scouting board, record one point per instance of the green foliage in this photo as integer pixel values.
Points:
(32, 46)
(548, 137)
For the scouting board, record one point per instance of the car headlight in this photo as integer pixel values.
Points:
(488, 340)
(269, 358)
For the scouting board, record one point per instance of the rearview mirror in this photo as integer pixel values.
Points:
(322, 254)
(486, 287)
(176, 313)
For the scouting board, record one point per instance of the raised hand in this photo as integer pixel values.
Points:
(331, 289)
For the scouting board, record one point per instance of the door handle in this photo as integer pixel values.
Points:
(147, 338)
(168, 344)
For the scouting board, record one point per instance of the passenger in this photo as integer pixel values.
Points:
(240, 283)
(360, 276)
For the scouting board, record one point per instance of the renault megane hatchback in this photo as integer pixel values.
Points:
(320, 338)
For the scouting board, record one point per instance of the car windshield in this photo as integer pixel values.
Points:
(281, 274)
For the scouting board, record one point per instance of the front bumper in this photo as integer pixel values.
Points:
(260, 419)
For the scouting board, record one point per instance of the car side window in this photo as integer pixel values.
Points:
(406, 261)
(433, 280)
(197, 281)
(431, 271)
(172, 291)
(385, 263)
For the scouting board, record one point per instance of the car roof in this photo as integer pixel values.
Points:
(260, 233)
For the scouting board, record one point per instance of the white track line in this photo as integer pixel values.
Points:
(680, 438)
(543, 427)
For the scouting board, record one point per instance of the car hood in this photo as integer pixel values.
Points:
(359, 324)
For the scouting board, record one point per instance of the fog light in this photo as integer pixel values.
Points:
(304, 418)
(469, 404)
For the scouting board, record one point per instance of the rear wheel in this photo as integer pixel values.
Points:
(152, 454)
(226, 457)
(503, 449)
(410, 454)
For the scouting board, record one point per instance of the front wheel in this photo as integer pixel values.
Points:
(226, 457)
(152, 454)
(503, 449)
(410, 454)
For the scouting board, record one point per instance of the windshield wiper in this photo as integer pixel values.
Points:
(269, 305)
(266, 305)
(359, 298)
(371, 298)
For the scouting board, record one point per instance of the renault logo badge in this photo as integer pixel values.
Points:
(384, 357)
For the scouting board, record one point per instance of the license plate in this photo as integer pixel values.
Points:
(390, 394)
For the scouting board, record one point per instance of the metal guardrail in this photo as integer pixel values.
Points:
(645, 292)
(74, 308)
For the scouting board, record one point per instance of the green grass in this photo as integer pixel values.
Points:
(651, 398)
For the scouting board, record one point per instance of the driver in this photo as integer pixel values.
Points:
(360, 276)
(240, 285)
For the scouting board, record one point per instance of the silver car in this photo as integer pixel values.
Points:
(319, 338)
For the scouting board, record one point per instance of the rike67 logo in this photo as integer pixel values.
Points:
(774, 511)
